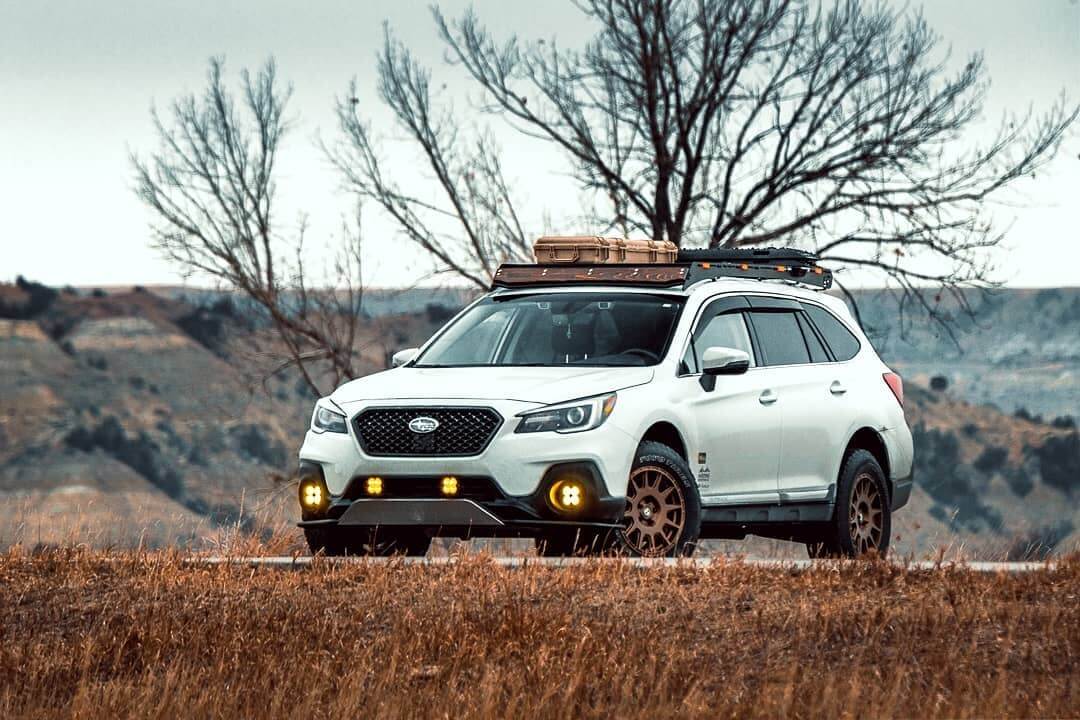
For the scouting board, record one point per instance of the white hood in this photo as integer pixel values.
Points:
(541, 385)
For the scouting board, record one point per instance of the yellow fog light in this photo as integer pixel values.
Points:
(373, 486)
(312, 495)
(567, 495)
(449, 485)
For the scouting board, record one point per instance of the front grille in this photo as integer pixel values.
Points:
(461, 431)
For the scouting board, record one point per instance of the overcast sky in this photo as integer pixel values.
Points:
(77, 80)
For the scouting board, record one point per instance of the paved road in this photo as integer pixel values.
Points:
(301, 562)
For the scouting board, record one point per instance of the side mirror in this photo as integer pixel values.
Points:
(724, 361)
(401, 357)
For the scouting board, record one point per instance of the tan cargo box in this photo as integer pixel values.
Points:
(595, 250)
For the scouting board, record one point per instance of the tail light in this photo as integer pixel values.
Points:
(896, 385)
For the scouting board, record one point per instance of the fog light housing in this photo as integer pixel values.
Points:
(449, 485)
(373, 486)
(313, 495)
(567, 495)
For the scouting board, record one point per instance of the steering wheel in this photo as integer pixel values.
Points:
(649, 355)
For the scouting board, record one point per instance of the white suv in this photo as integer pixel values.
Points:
(637, 409)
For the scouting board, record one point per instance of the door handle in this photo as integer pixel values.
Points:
(837, 388)
(767, 398)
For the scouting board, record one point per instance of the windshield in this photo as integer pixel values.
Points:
(558, 329)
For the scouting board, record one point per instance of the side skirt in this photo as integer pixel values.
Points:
(790, 521)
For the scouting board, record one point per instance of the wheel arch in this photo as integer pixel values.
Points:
(666, 433)
(869, 439)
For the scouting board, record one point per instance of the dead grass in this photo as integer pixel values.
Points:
(144, 635)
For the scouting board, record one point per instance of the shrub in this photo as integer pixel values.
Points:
(1023, 414)
(252, 440)
(992, 458)
(949, 481)
(39, 298)
(140, 453)
(1059, 461)
(1020, 482)
(1038, 544)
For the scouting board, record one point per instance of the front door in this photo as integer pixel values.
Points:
(737, 418)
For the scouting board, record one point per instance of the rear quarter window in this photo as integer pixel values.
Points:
(841, 341)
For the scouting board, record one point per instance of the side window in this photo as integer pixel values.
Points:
(818, 354)
(843, 344)
(727, 330)
(780, 338)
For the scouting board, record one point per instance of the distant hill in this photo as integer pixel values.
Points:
(1020, 352)
(134, 416)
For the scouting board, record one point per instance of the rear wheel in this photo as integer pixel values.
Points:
(862, 521)
(377, 542)
(663, 506)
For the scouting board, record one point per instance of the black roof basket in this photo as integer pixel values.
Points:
(789, 265)
(769, 256)
(756, 263)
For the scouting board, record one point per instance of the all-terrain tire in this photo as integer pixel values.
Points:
(663, 505)
(862, 520)
(377, 542)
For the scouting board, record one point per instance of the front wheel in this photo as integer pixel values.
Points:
(862, 521)
(663, 506)
(377, 542)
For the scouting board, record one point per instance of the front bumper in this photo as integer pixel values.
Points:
(514, 472)
(480, 509)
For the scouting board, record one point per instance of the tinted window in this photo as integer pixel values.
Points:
(721, 331)
(780, 338)
(813, 343)
(558, 329)
(843, 344)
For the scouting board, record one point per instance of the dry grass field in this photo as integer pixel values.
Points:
(146, 635)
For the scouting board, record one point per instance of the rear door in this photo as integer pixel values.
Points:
(813, 395)
(820, 416)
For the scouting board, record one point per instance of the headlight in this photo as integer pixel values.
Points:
(574, 416)
(326, 420)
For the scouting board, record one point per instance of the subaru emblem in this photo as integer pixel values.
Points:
(423, 425)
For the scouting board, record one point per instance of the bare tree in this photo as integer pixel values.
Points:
(838, 128)
(476, 227)
(211, 188)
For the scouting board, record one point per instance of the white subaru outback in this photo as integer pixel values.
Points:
(636, 409)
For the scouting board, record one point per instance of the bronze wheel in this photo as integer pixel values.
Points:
(865, 518)
(655, 512)
(862, 520)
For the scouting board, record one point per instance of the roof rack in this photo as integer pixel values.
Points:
(793, 266)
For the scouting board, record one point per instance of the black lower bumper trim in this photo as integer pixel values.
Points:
(418, 513)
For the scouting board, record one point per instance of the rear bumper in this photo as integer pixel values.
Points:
(901, 491)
